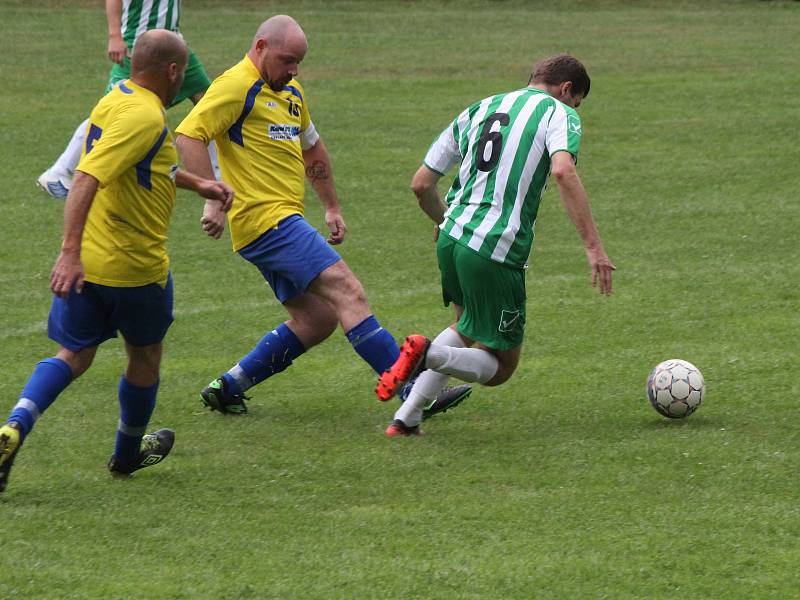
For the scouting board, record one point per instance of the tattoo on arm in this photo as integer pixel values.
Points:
(317, 171)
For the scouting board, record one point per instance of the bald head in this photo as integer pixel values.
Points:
(279, 30)
(277, 50)
(155, 50)
(159, 63)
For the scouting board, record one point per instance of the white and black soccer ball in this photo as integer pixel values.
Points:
(676, 388)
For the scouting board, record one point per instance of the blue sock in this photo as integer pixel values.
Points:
(136, 404)
(273, 353)
(374, 344)
(49, 379)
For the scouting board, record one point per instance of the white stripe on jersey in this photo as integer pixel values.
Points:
(144, 17)
(534, 156)
(481, 178)
(123, 20)
(507, 156)
(445, 152)
(176, 13)
(556, 137)
(466, 164)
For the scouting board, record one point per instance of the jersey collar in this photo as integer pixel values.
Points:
(129, 87)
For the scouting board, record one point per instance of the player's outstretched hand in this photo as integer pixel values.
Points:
(66, 273)
(602, 267)
(213, 219)
(336, 225)
(217, 190)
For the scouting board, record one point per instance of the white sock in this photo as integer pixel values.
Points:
(69, 159)
(468, 364)
(428, 384)
(212, 155)
(241, 378)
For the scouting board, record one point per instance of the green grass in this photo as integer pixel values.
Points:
(563, 483)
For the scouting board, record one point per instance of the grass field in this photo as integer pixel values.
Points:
(563, 483)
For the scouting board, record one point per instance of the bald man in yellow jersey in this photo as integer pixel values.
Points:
(257, 112)
(113, 271)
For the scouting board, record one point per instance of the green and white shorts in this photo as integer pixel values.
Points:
(195, 81)
(492, 294)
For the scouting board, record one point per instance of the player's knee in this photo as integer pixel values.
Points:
(142, 374)
(79, 368)
(349, 291)
(504, 373)
(78, 362)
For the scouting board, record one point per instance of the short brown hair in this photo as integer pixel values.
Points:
(560, 68)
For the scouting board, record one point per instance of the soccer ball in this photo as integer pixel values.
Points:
(676, 388)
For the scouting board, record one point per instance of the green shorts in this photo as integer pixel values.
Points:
(195, 81)
(492, 295)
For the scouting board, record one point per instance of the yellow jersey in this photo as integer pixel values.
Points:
(130, 151)
(258, 136)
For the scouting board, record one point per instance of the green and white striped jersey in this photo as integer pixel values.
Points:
(503, 144)
(139, 16)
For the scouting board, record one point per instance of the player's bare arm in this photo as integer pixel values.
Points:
(424, 187)
(68, 269)
(576, 203)
(320, 173)
(216, 191)
(194, 156)
(117, 49)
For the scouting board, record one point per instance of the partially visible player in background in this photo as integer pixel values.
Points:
(506, 146)
(127, 20)
(113, 270)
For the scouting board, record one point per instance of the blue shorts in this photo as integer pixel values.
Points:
(290, 256)
(142, 314)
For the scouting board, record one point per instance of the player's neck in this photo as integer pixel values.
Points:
(152, 85)
(542, 87)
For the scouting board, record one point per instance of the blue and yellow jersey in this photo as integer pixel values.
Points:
(258, 135)
(130, 151)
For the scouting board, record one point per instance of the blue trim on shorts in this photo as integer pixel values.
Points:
(141, 314)
(290, 256)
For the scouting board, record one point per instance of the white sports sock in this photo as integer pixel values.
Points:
(428, 384)
(212, 155)
(241, 378)
(468, 364)
(69, 159)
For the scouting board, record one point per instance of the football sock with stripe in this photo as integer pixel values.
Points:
(273, 354)
(136, 405)
(467, 364)
(374, 344)
(50, 377)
